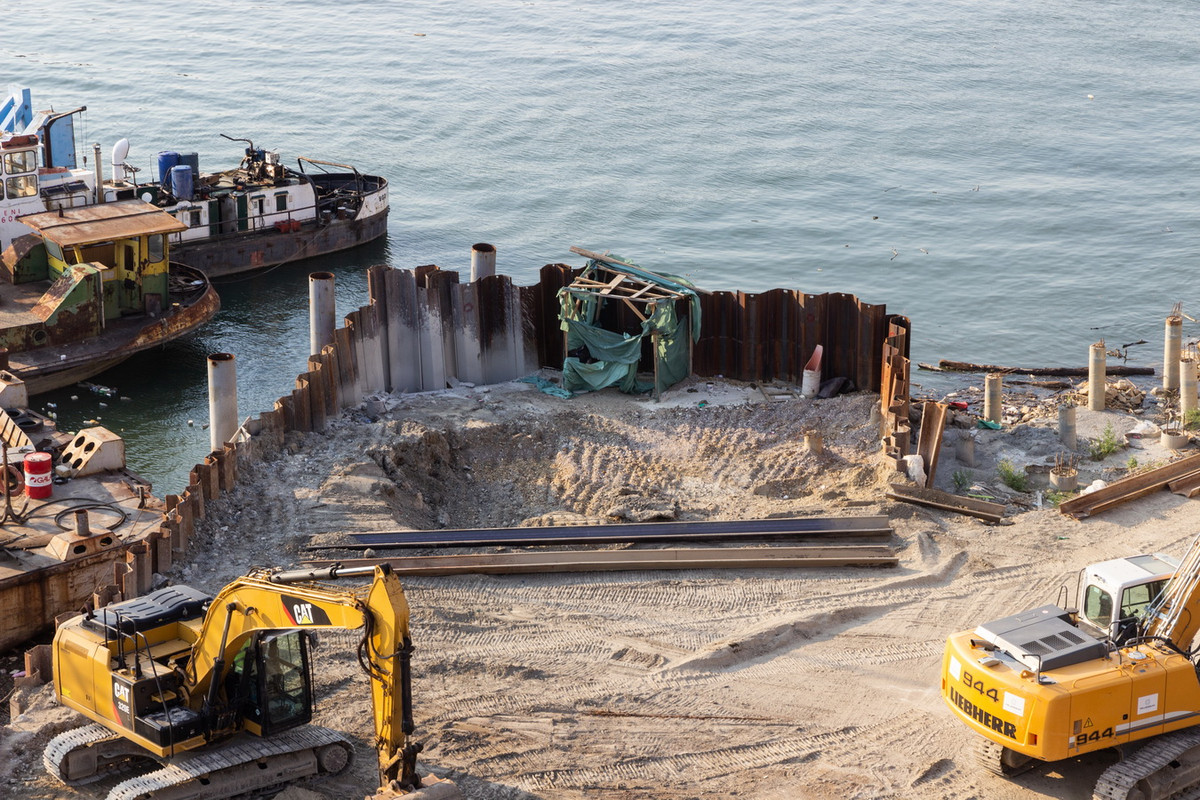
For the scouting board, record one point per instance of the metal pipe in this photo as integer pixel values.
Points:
(1096, 370)
(324, 574)
(322, 316)
(99, 173)
(993, 397)
(483, 261)
(222, 399)
(1172, 339)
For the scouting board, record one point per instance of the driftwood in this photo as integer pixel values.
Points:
(1061, 372)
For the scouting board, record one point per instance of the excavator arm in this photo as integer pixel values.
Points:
(266, 600)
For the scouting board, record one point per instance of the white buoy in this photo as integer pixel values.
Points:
(322, 314)
(222, 399)
(1097, 366)
(483, 261)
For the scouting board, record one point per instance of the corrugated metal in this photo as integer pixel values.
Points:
(99, 223)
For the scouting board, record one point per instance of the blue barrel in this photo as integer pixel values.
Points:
(181, 181)
(166, 160)
(193, 161)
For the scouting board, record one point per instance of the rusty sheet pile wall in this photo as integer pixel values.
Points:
(423, 328)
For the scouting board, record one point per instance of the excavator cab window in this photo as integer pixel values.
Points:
(1098, 606)
(285, 682)
(271, 682)
(1135, 599)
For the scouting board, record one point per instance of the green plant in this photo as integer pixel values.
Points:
(1191, 420)
(962, 479)
(1103, 447)
(1055, 498)
(1012, 477)
(1132, 464)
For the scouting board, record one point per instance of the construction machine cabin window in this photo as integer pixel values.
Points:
(1098, 606)
(286, 688)
(1135, 599)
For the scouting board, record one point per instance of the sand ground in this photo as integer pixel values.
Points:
(785, 683)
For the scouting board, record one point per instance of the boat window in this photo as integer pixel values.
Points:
(21, 186)
(1098, 606)
(281, 201)
(157, 247)
(194, 218)
(20, 162)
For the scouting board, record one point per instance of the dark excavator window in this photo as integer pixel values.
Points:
(284, 681)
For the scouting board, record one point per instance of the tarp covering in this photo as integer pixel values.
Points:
(611, 358)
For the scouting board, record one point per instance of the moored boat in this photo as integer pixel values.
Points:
(255, 215)
(93, 286)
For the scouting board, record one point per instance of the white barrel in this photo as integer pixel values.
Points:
(810, 383)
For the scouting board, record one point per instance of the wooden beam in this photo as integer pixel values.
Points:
(1130, 488)
(607, 260)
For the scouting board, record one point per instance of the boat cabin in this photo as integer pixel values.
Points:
(104, 262)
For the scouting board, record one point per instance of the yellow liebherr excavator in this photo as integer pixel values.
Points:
(1119, 672)
(219, 691)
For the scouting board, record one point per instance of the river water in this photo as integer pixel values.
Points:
(1014, 177)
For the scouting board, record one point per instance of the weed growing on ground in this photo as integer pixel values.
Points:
(1191, 420)
(962, 479)
(1012, 477)
(1105, 446)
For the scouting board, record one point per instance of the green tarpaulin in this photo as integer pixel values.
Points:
(611, 357)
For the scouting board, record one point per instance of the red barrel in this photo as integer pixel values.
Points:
(38, 481)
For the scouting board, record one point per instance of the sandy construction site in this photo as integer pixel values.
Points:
(766, 683)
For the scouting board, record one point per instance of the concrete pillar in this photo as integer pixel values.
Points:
(1066, 426)
(322, 314)
(1187, 386)
(993, 397)
(1097, 367)
(483, 261)
(1172, 339)
(222, 399)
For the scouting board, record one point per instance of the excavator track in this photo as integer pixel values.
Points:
(85, 755)
(242, 766)
(1166, 768)
(998, 759)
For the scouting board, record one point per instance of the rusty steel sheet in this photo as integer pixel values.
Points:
(815, 528)
(935, 498)
(620, 560)
(99, 223)
(929, 440)
(1130, 488)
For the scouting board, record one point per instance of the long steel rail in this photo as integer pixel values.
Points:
(616, 560)
(861, 529)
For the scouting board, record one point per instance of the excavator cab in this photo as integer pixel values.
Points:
(271, 680)
(1113, 595)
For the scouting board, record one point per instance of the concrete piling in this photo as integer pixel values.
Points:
(993, 397)
(1187, 386)
(222, 399)
(483, 261)
(1066, 426)
(1097, 367)
(322, 314)
(1172, 340)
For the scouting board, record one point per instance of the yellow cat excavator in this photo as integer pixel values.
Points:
(1119, 671)
(219, 691)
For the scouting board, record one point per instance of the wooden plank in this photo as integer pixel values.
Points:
(1130, 488)
(610, 560)
(935, 498)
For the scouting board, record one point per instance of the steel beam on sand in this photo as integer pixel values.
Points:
(616, 560)
(868, 528)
